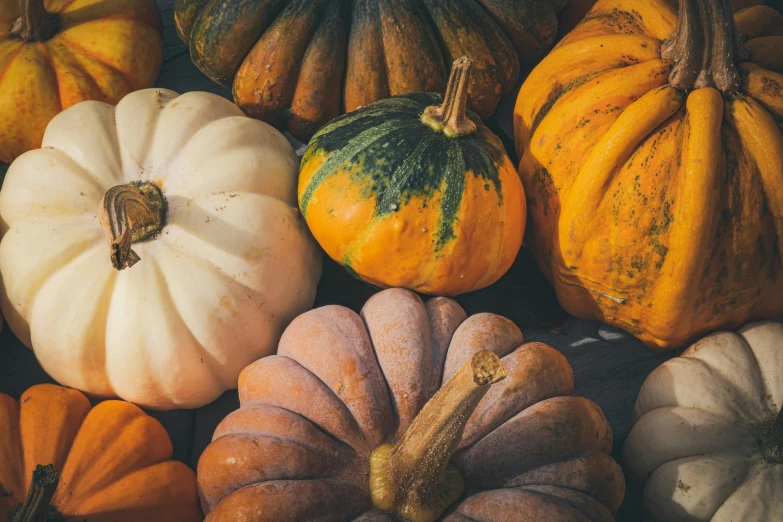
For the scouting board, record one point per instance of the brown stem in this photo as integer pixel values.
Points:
(35, 24)
(705, 47)
(130, 214)
(414, 479)
(37, 506)
(450, 117)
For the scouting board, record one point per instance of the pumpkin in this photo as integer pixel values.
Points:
(60, 459)
(56, 53)
(707, 440)
(414, 191)
(408, 410)
(300, 63)
(652, 164)
(153, 250)
(576, 10)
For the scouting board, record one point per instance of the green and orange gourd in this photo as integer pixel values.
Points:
(653, 160)
(415, 191)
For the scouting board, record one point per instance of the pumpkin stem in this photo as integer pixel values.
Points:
(37, 506)
(130, 214)
(35, 24)
(414, 479)
(450, 117)
(705, 47)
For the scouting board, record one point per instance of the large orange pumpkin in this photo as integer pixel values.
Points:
(652, 163)
(60, 52)
(345, 424)
(111, 463)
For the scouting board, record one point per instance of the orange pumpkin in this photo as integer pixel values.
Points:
(60, 52)
(110, 463)
(652, 163)
(410, 410)
(415, 191)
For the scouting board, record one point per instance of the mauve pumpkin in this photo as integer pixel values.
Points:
(394, 413)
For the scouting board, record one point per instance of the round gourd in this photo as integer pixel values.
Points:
(56, 53)
(652, 164)
(404, 193)
(300, 63)
(393, 415)
(707, 440)
(153, 250)
(61, 460)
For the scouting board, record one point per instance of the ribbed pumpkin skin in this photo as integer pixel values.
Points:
(102, 51)
(114, 460)
(342, 383)
(653, 210)
(399, 204)
(300, 63)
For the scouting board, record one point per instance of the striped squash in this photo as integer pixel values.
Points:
(431, 203)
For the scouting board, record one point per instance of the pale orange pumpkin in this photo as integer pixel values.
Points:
(61, 52)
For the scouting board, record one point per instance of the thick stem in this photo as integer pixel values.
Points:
(130, 214)
(705, 47)
(413, 479)
(35, 24)
(37, 506)
(450, 117)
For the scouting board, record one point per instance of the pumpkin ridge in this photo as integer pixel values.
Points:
(354, 424)
(73, 45)
(345, 451)
(10, 60)
(348, 154)
(391, 196)
(204, 354)
(74, 64)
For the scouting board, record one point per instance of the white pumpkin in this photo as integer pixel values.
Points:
(704, 439)
(211, 290)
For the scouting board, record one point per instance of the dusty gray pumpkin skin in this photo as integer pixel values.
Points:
(705, 443)
(343, 384)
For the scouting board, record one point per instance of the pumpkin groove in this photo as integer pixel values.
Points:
(299, 63)
(657, 207)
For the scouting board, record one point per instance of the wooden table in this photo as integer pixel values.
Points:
(609, 365)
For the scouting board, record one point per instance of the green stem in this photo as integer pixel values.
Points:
(35, 24)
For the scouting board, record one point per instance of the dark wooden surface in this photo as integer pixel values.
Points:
(609, 365)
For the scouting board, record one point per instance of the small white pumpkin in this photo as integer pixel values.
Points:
(153, 250)
(708, 435)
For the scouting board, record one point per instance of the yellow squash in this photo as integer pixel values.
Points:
(653, 162)
(60, 52)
